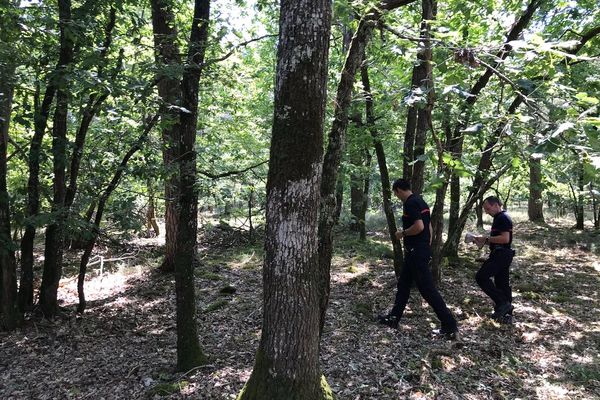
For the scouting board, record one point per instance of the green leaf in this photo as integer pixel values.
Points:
(584, 98)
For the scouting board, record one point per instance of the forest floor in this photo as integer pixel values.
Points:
(123, 347)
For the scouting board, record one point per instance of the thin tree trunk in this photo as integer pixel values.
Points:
(535, 204)
(383, 173)
(336, 143)
(287, 361)
(579, 213)
(479, 213)
(33, 195)
(85, 258)
(455, 223)
(55, 231)
(151, 213)
(437, 215)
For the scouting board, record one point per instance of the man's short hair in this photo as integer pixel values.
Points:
(402, 184)
(493, 200)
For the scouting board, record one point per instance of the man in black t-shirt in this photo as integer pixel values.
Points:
(416, 233)
(498, 263)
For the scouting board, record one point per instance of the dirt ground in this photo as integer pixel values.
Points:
(123, 347)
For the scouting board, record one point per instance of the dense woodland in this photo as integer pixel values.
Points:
(195, 196)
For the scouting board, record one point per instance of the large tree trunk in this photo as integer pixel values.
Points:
(55, 231)
(287, 361)
(337, 135)
(10, 316)
(383, 172)
(168, 61)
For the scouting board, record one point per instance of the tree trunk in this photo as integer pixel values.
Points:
(33, 194)
(579, 210)
(422, 74)
(10, 316)
(456, 220)
(479, 213)
(443, 172)
(189, 352)
(168, 61)
(89, 247)
(383, 172)
(337, 134)
(535, 203)
(151, 213)
(55, 231)
(287, 361)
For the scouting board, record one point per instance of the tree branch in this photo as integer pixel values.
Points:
(229, 173)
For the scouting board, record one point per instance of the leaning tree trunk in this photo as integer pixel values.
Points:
(383, 172)
(287, 361)
(55, 231)
(337, 138)
(89, 247)
(168, 62)
(455, 223)
(10, 316)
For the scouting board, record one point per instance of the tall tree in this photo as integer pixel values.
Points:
(168, 62)
(53, 254)
(10, 316)
(287, 361)
(418, 119)
(181, 146)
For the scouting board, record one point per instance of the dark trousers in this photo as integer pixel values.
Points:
(497, 266)
(416, 268)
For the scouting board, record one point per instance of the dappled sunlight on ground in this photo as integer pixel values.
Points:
(124, 345)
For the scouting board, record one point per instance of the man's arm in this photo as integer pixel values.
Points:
(503, 238)
(413, 230)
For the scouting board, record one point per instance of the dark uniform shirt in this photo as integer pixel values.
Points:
(502, 223)
(415, 208)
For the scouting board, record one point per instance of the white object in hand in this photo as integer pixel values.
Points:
(469, 237)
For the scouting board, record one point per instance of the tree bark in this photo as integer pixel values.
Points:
(423, 76)
(55, 231)
(10, 315)
(287, 361)
(189, 352)
(535, 204)
(169, 89)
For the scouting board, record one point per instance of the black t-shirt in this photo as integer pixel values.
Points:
(415, 208)
(502, 223)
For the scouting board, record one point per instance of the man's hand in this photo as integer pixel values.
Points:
(399, 234)
(480, 241)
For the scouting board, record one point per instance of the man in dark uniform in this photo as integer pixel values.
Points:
(417, 246)
(498, 263)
